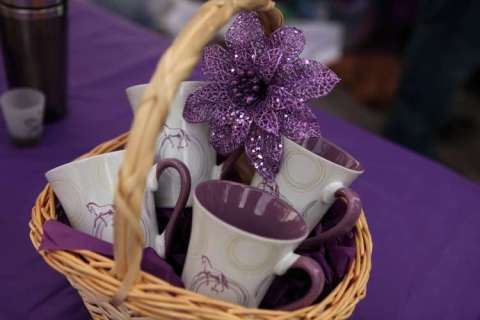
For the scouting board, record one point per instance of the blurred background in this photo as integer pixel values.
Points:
(409, 68)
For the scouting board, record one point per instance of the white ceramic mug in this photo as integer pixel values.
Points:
(242, 237)
(188, 142)
(86, 189)
(312, 175)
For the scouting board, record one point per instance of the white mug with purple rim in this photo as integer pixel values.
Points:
(86, 190)
(179, 139)
(313, 174)
(241, 239)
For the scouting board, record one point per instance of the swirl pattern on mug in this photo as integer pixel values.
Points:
(295, 173)
(248, 255)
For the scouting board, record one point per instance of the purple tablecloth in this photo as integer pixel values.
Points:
(424, 219)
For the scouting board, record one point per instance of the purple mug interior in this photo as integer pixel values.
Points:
(328, 150)
(251, 210)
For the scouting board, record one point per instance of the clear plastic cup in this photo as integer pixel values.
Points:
(23, 110)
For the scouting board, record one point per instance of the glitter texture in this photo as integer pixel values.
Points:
(258, 92)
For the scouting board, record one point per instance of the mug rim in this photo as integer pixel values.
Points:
(244, 232)
(129, 91)
(80, 161)
(356, 171)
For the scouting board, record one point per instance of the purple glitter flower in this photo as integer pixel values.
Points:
(258, 92)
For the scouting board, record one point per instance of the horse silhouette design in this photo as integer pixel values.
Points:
(175, 137)
(219, 280)
(103, 217)
(216, 281)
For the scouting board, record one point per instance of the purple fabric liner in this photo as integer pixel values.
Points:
(334, 257)
(59, 236)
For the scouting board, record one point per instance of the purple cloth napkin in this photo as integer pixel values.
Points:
(59, 236)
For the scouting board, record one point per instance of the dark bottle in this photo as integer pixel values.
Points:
(34, 43)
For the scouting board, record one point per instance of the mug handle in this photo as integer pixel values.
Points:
(347, 222)
(185, 183)
(317, 282)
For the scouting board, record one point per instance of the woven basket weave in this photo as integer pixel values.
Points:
(118, 289)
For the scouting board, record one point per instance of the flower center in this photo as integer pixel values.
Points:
(248, 88)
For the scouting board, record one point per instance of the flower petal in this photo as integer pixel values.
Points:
(299, 125)
(199, 104)
(268, 62)
(264, 150)
(246, 31)
(217, 64)
(243, 58)
(229, 128)
(267, 120)
(290, 40)
(215, 92)
(306, 79)
(279, 98)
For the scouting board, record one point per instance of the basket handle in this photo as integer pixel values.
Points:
(175, 65)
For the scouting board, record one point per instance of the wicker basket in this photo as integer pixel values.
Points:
(118, 289)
